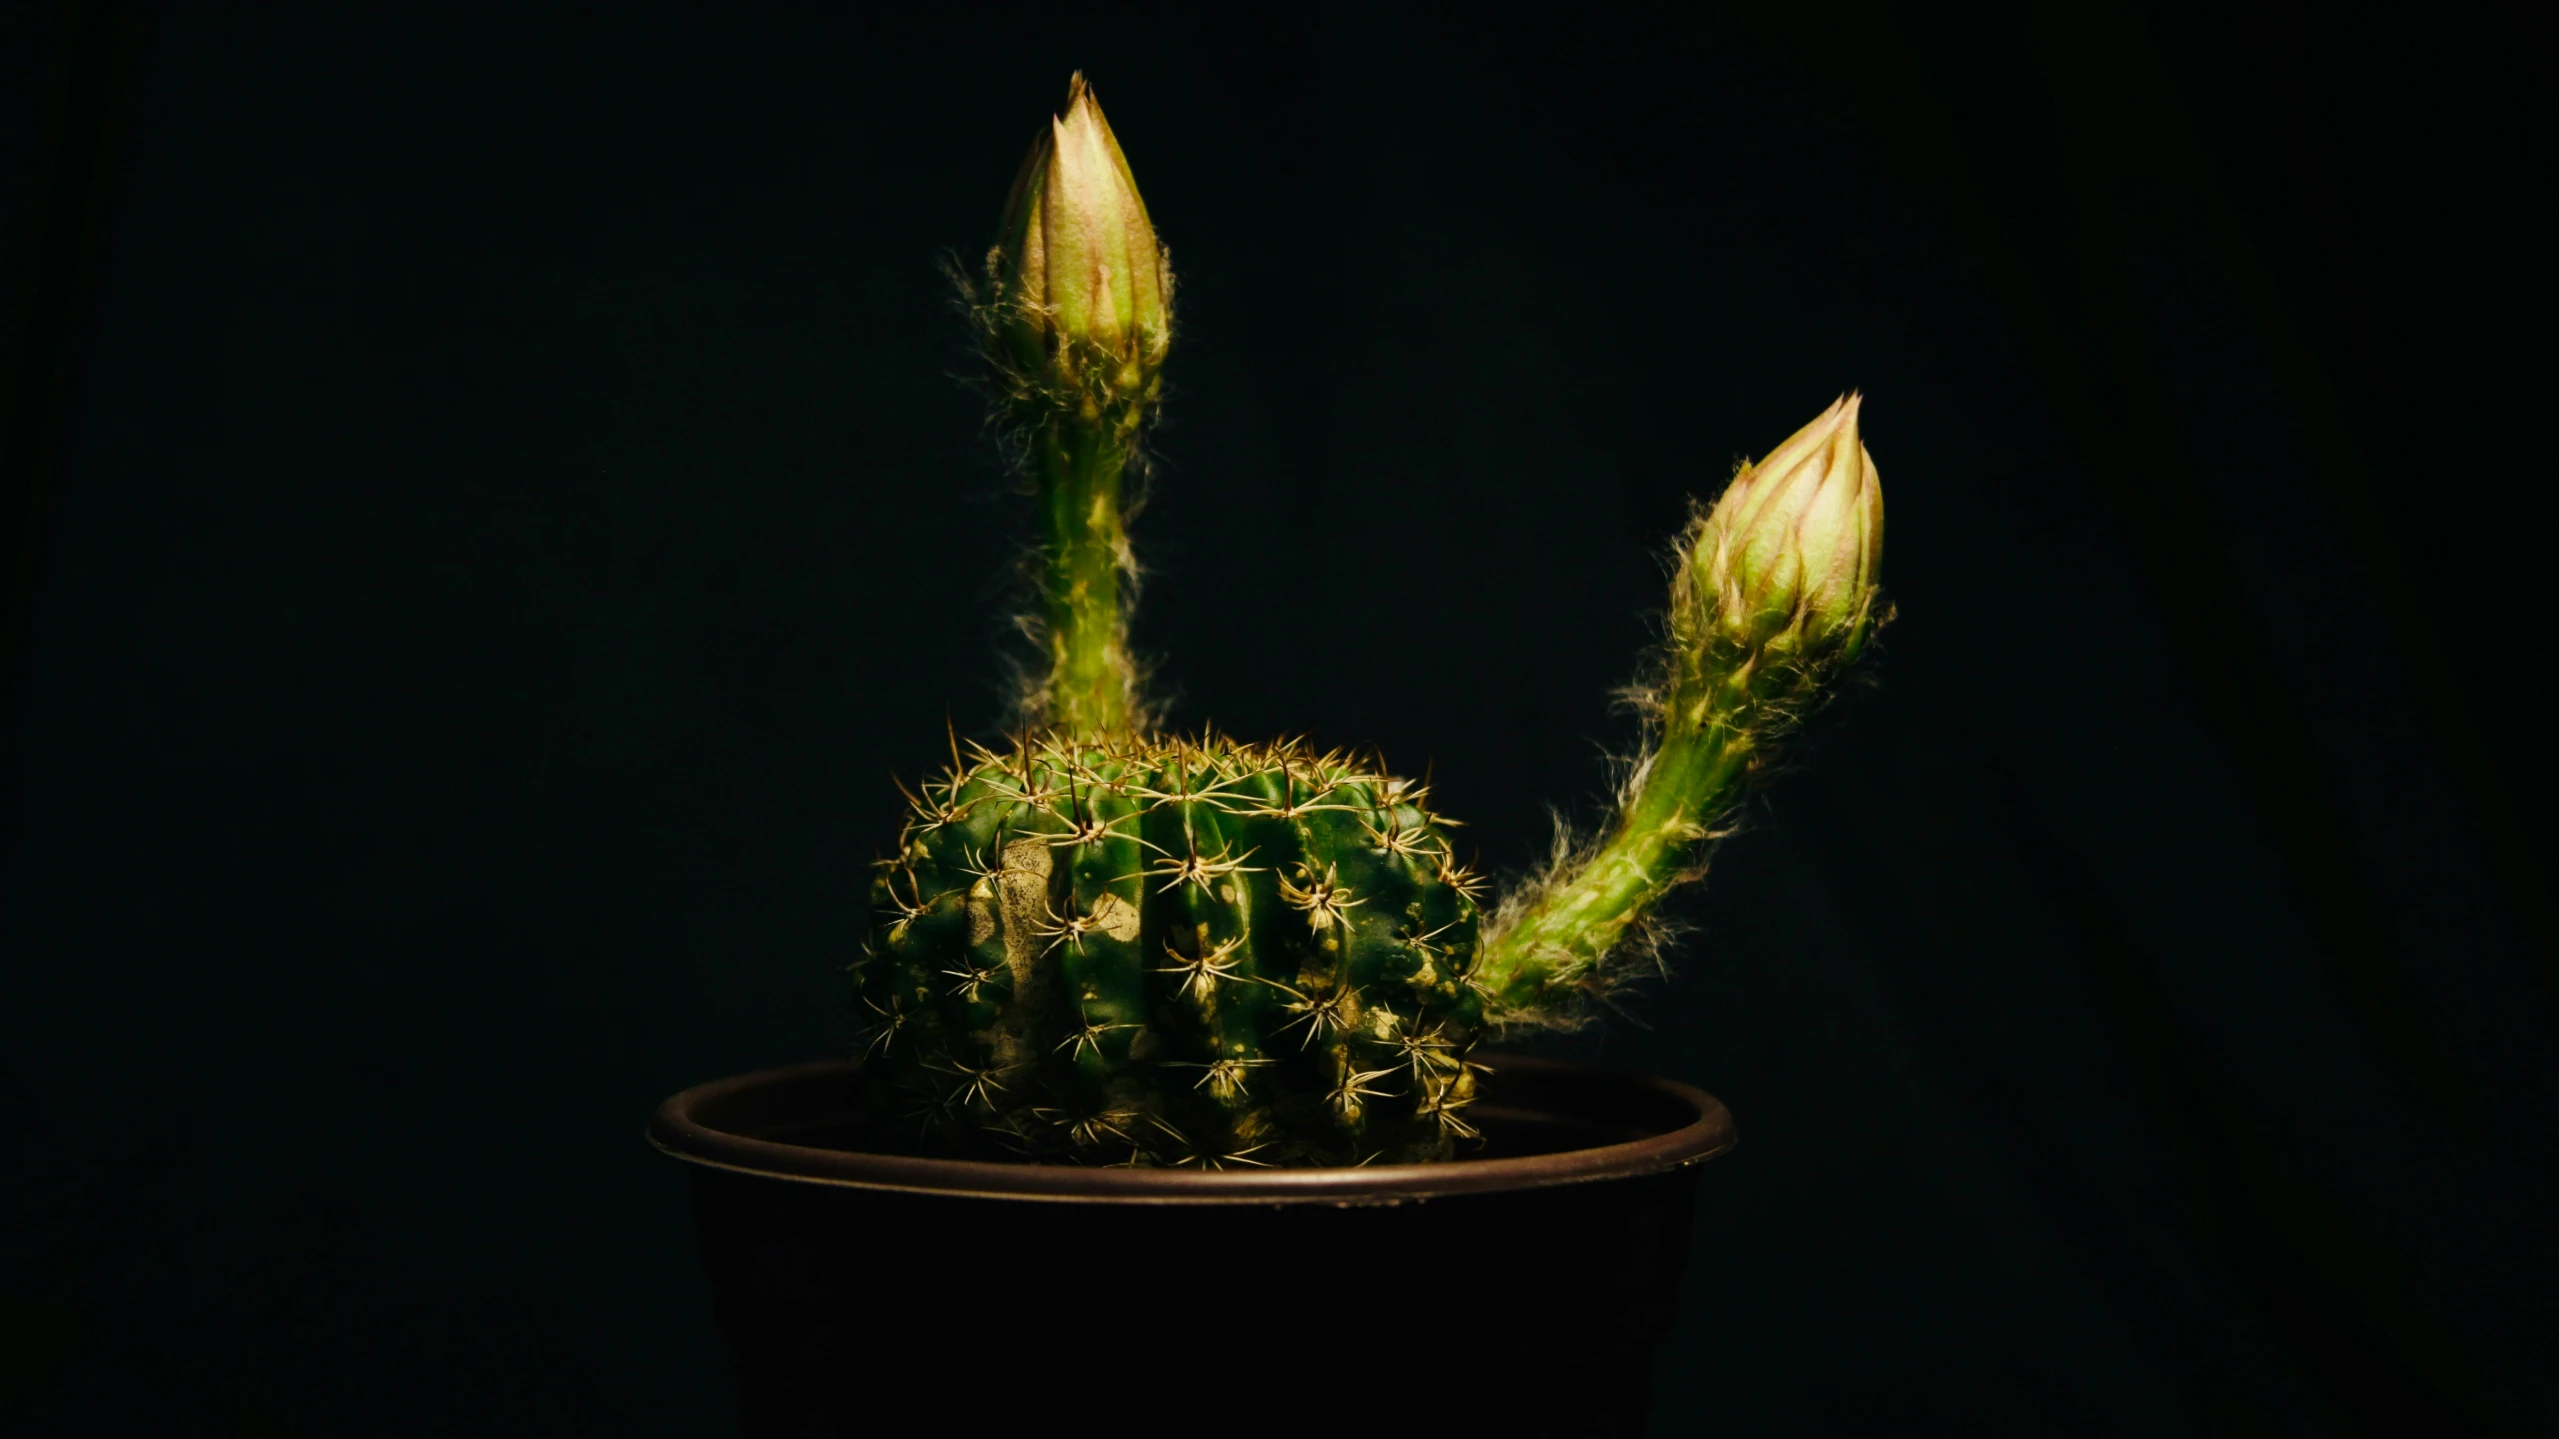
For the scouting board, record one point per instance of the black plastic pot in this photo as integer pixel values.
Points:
(1518, 1292)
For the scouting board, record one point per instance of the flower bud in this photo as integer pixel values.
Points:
(1786, 561)
(1087, 302)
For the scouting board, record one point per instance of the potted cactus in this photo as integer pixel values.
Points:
(1171, 1090)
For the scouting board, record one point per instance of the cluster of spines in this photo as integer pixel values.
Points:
(1174, 951)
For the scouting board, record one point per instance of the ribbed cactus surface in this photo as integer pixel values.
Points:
(1170, 951)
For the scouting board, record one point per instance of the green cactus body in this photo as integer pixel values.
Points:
(1173, 952)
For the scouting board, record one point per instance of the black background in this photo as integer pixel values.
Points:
(498, 510)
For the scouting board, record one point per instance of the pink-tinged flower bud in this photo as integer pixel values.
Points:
(1787, 560)
(1088, 293)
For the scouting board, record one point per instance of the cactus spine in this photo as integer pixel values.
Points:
(1106, 944)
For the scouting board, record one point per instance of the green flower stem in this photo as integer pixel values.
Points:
(1091, 685)
(1774, 596)
(1660, 839)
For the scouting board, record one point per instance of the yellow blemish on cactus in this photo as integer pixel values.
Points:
(1115, 917)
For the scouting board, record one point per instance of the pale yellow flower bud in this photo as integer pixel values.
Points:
(1788, 558)
(1088, 291)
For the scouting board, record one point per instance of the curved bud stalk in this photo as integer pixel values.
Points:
(1077, 317)
(1774, 595)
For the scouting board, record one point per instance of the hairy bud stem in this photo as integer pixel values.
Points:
(1091, 688)
(1774, 595)
(1077, 319)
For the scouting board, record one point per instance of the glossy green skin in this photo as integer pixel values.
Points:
(1172, 952)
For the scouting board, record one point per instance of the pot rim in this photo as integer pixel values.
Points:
(680, 1129)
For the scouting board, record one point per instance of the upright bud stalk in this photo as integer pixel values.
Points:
(1078, 319)
(1774, 595)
